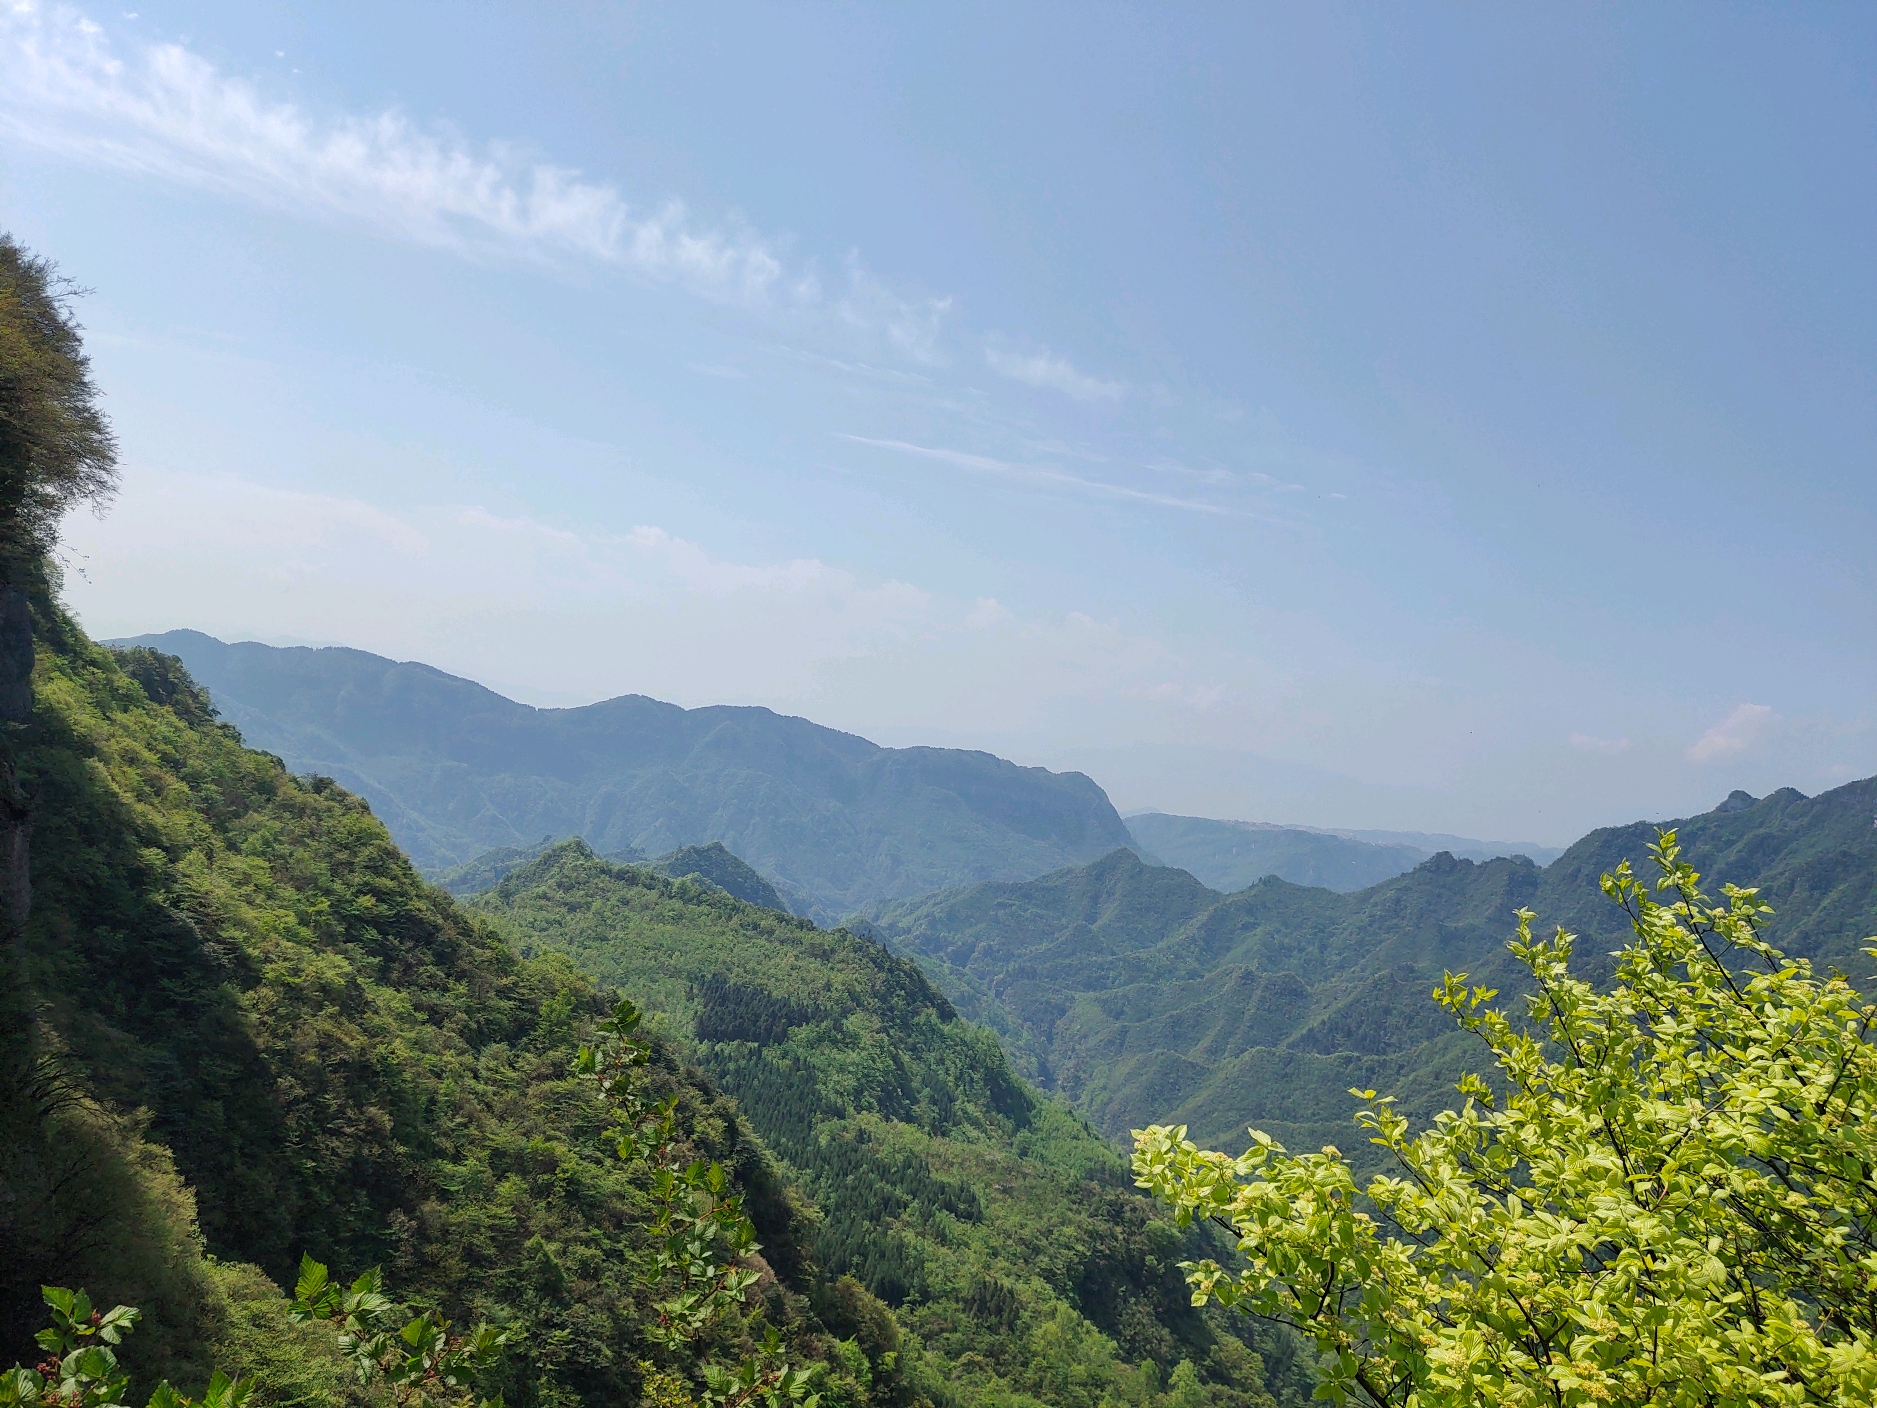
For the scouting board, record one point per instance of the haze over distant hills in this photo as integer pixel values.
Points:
(1144, 996)
(1229, 855)
(834, 821)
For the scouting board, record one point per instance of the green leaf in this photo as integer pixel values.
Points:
(313, 1279)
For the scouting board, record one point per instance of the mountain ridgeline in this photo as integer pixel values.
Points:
(715, 865)
(1229, 855)
(1143, 996)
(834, 822)
(256, 1032)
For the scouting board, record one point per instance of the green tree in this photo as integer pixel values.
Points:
(56, 447)
(1666, 1197)
(701, 1239)
(421, 1364)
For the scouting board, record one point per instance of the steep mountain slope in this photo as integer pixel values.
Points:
(998, 1226)
(1229, 855)
(455, 769)
(1143, 996)
(252, 1014)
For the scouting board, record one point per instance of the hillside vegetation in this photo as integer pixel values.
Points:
(1145, 997)
(1003, 1232)
(260, 1033)
(454, 770)
(269, 1035)
(714, 864)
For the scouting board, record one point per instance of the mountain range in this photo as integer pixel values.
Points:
(834, 822)
(1229, 855)
(1144, 996)
(329, 1052)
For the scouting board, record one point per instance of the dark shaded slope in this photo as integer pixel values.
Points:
(455, 770)
(1143, 996)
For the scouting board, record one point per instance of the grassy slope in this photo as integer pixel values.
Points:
(252, 993)
(1005, 1233)
(1143, 996)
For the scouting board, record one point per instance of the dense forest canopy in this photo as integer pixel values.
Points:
(56, 447)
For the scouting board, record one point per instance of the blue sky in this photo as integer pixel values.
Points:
(1445, 418)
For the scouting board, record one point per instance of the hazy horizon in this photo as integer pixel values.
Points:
(1417, 419)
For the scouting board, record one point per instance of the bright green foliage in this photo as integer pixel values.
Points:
(419, 1363)
(1669, 1201)
(80, 1369)
(421, 1360)
(702, 1241)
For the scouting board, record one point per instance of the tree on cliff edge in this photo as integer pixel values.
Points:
(56, 447)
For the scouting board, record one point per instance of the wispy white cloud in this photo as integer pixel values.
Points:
(1587, 743)
(161, 110)
(1209, 474)
(912, 324)
(1733, 734)
(1050, 371)
(1040, 474)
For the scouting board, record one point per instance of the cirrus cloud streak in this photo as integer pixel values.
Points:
(1042, 475)
(161, 110)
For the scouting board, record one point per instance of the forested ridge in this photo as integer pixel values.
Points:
(1229, 855)
(262, 1034)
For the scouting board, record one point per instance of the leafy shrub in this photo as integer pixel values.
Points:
(1666, 1197)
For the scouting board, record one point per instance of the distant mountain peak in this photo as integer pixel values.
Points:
(720, 867)
(1737, 801)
